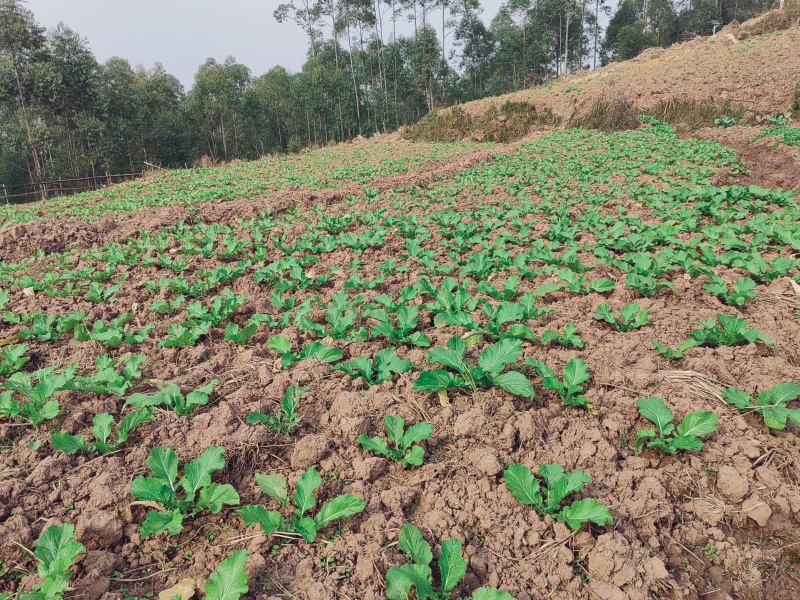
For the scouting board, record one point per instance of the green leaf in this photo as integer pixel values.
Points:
(654, 409)
(394, 427)
(69, 444)
(307, 527)
(273, 486)
(375, 444)
(448, 358)
(151, 489)
(698, 424)
(523, 485)
(452, 566)
(158, 522)
(432, 381)
(416, 456)
(495, 358)
(341, 507)
(548, 288)
(416, 433)
(130, 422)
(542, 370)
(681, 442)
(328, 354)
(562, 486)
(782, 393)
(163, 462)
(515, 383)
(412, 543)
(401, 580)
(101, 426)
(197, 473)
(215, 496)
(585, 511)
(229, 581)
(576, 372)
(279, 344)
(57, 550)
(304, 494)
(774, 418)
(737, 398)
(270, 520)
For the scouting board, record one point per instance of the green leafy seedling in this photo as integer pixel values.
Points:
(666, 438)
(184, 497)
(49, 328)
(488, 372)
(56, 552)
(742, 291)
(576, 373)
(405, 450)
(184, 335)
(405, 332)
(286, 419)
(772, 404)
(677, 353)
(271, 521)
(101, 429)
(731, 331)
(570, 337)
(417, 574)
(631, 316)
(578, 285)
(12, 359)
(39, 406)
(316, 350)
(162, 307)
(172, 399)
(375, 372)
(524, 486)
(240, 336)
(98, 294)
(107, 380)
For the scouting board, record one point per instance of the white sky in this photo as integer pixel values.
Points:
(182, 34)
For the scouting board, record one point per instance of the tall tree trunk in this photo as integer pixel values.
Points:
(36, 166)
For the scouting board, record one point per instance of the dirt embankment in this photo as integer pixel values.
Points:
(751, 70)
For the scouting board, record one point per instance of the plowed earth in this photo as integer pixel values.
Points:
(718, 523)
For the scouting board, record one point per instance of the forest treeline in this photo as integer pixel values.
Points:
(371, 66)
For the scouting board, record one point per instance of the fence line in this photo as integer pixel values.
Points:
(47, 189)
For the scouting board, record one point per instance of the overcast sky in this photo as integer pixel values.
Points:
(182, 34)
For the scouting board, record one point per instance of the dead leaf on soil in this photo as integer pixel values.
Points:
(127, 515)
(444, 399)
(183, 590)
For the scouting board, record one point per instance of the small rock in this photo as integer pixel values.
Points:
(485, 462)
(309, 451)
(353, 427)
(732, 485)
(757, 510)
(99, 529)
(606, 591)
(370, 468)
(256, 565)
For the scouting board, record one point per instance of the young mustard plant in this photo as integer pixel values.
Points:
(405, 451)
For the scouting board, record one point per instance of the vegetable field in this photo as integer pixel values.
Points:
(561, 368)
